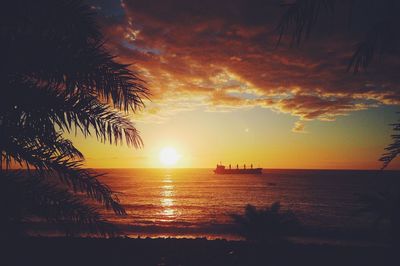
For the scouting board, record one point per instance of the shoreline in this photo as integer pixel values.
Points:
(361, 236)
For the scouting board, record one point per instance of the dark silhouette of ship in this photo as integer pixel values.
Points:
(221, 170)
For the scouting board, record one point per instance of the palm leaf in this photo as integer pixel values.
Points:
(301, 16)
(45, 107)
(37, 198)
(382, 33)
(393, 149)
(61, 166)
(74, 60)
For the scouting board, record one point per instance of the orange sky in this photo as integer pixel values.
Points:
(222, 91)
(261, 137)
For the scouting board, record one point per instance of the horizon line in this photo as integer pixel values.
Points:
(206, 168)
(210, 168)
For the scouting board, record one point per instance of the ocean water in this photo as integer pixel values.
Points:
(198, 203)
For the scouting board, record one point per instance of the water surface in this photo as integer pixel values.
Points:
(197, 203)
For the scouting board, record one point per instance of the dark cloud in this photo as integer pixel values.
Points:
(224, 54)
(310, 107)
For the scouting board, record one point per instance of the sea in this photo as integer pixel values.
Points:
(192, 203)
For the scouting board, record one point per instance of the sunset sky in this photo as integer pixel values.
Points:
(222, 90)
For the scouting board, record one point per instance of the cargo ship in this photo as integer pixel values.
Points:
(221, 170)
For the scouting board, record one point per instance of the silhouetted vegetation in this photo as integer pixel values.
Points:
(194, 252)
(381, 35)
(384, 208)
(58, 78)
(393, 149)
(266, 225)
(378, 19)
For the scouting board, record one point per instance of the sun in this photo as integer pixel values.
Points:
(169, 156)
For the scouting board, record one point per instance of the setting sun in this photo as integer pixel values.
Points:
(169, 156)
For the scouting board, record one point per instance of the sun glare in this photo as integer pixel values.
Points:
(169, 156)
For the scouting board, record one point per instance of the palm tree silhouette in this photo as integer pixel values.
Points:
(57, 77)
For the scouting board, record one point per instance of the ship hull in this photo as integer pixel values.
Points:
(253, 171)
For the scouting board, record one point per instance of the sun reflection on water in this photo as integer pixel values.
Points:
(166, 201)
(167, 191)
(169, 213)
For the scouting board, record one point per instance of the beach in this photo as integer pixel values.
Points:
(126, 251)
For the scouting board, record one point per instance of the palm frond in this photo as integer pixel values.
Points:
(393, 149)
(64, 56)
(51, 144)
(98, 73)
(45, 107)
(37, 198)
(302, 16)
(381, 38)
(382, 33)
(28, 152)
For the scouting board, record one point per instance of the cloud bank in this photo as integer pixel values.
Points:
(222, 55)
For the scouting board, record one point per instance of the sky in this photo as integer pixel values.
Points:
(223, 91)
